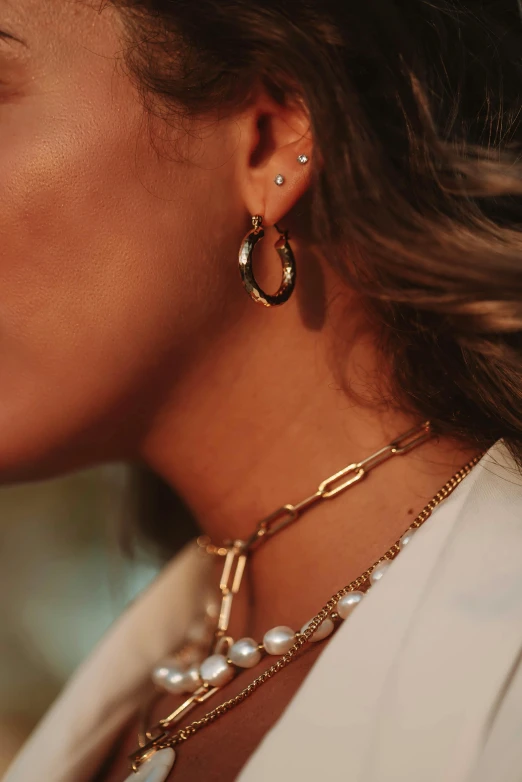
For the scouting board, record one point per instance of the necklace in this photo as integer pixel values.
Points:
(201, 679)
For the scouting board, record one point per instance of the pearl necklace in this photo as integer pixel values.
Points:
(191, 673)
(217, 670)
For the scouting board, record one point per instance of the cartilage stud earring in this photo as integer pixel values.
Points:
(279, 180)
(303, 159)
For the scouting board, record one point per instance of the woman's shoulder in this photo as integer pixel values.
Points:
(71, 740)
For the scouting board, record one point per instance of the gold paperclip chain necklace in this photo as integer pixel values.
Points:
(236, 554)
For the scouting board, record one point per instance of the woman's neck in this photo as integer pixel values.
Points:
(259, 424)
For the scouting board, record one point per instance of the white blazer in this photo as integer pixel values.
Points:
(423, 683)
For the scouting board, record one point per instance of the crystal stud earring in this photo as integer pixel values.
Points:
(303, 159)
(279, 180)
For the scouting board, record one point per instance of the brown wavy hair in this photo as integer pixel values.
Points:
(415, 110)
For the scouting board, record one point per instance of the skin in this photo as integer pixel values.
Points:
(125, 333)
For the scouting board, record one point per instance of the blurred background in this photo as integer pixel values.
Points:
(64, 580)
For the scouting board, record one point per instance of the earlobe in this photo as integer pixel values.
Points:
(290, 183)
(280, 180)
(284, 181)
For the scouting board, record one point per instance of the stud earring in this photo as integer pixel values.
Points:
(303, 159)
(279, 180)
(286, 255)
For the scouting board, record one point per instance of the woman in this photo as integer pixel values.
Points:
(362, 163)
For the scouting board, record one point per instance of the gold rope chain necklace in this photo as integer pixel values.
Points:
(156, 745)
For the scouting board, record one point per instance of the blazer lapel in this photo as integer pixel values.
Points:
(405, 688)
(462, 642)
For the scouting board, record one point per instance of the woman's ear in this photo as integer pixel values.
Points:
(274, 160)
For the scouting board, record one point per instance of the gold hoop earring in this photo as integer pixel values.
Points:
(286, 255)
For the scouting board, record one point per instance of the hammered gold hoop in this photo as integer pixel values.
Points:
(286, 255)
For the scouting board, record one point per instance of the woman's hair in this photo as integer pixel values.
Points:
(415, 111)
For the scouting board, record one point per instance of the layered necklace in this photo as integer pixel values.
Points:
(205, 665)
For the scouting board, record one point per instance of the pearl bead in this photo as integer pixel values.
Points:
(407, 537)
(159, 674)
(216, 671)
(156, 768)
(212, 610)
(245, 653)
(192, 679)
(379, 571)
(347, 603)
(279, 640)
(175, 681)
(168, 671)
(323, 631)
